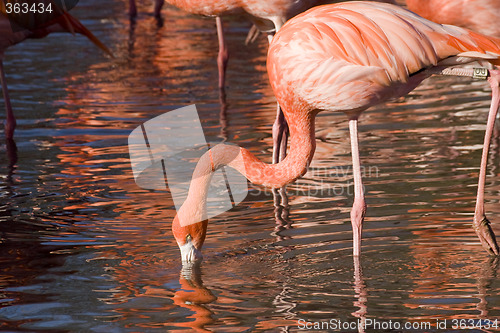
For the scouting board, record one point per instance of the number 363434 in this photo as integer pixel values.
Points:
(475, 323)
(28, 8)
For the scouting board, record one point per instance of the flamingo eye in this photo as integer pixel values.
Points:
(188, 238)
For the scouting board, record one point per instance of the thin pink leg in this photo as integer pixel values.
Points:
(132, 8)
(223, 54)
(10, 120)
(280, 136)
(481, 223)
(360, 294)
(359, 205)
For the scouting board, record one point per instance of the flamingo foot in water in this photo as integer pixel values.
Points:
(486, 236)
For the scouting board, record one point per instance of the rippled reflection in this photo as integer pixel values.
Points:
(83, 248)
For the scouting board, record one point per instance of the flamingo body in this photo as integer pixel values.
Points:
(478, 15)
(360, 54)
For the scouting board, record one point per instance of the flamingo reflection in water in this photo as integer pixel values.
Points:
(479, 15)
(8, 37)
(194, 296)
(345, 57)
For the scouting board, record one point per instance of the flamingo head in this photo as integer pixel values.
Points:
(190, 239)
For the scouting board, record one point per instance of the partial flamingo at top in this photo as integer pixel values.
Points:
(267, 15)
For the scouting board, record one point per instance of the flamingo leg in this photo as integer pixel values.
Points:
(359, 205)
(280, 136)
(361, 295)
(280, 198)
(132, 9)
(481, 223)
(157, 9)
(223, 54)
(10, 120)
(280, 139)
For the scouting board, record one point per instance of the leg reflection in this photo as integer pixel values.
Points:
(281, 213)
(11, 149)
(488, 274)
(223, 115)
(360, 293)
(194, 296)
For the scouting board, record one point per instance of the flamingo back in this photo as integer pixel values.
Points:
(350, 56)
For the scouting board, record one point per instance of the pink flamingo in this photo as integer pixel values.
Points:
(345, 57)
(64, 23)
(478, 15)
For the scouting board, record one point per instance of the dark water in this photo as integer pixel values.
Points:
(84, 249)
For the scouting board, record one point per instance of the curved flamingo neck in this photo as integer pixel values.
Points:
(302, 148)
(295, 164)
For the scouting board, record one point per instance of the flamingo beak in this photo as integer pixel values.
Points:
(189, 253)
(72, 24)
